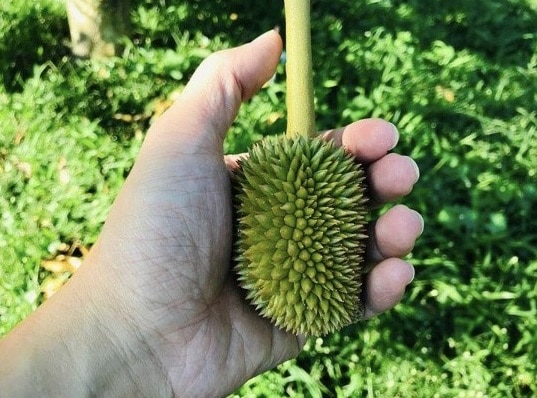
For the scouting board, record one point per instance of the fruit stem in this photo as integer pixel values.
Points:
(300, 102)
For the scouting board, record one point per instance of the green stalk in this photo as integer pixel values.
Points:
(300, 105)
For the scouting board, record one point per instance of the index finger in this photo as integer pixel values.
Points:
(368, 139)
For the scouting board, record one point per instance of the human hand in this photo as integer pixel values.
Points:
(154, 309)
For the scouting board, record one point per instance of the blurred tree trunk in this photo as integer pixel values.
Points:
(97, 26)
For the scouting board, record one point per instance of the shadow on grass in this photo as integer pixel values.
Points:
(34, 37)
(502, 31)
(235, 21)
(499, 30)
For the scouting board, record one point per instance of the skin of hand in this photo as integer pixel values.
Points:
(153, 310)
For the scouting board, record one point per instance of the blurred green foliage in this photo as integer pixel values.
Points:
(458, 78)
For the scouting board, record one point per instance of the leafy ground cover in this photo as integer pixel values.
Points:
(458, 78)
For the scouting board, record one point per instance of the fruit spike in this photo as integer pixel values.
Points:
(302, 230)
(301, 212)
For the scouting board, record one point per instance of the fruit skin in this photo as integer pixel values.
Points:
(301, 231)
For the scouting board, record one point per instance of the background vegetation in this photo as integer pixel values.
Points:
(458, 78)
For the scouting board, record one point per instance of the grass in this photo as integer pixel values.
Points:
(458, 78)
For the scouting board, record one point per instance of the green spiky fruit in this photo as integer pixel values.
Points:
(301, 224)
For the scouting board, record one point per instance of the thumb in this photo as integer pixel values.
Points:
(199, 119)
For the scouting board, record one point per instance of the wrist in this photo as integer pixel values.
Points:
(76, 345)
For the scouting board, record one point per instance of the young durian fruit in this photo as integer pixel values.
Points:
(301, 212)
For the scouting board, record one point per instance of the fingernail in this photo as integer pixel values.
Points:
(416, 168)
(422, 223)
(413, 273)
(395, 136)
(267, 33)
